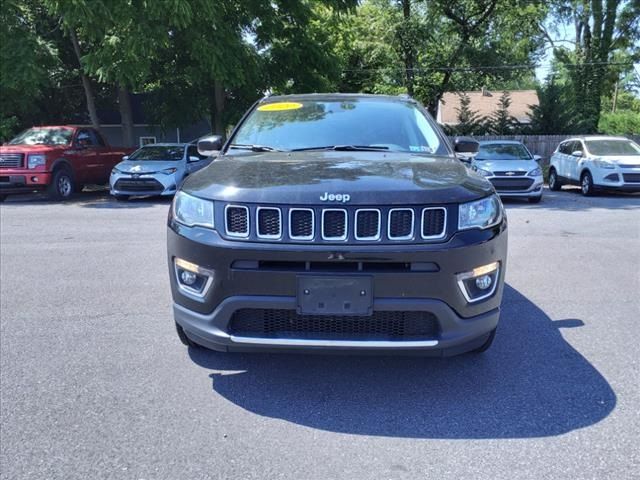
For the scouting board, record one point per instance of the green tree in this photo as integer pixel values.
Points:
(624, 122)
(552, 115)
(501, 122)
(469, 122)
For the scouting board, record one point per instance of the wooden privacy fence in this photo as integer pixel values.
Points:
(543, 145)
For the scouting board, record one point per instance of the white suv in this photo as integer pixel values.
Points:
(611, 163)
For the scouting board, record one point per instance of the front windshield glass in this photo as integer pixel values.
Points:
(383, 124)
(503, 151)
(158, 153)
(612, 147)
(44, 136)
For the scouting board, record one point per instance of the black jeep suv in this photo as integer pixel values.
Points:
(337, 222)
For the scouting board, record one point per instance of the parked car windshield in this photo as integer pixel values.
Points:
(503, 151)
(44, 136)
(158, 153)
(307, 124)
(612, 147)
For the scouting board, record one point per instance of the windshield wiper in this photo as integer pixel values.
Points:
(254, 148)
(345, 148)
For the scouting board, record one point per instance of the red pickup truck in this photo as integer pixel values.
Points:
(58, 159)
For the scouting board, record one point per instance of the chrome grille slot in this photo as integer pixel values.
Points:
(434, 222)
(401, 224)
(269, 222)
(301, 221)
(367, 224)
(236, 220)
(11, 160)
(334, 224)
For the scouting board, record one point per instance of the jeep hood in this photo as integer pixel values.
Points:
(369, 178)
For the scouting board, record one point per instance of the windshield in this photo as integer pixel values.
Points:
(503, 151)
(159, 153)
(44, 136)
(378, 124)
(612, 147)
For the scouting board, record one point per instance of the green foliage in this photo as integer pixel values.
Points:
(501, 122)
(622, 122)
(469, 122)
(553, 115)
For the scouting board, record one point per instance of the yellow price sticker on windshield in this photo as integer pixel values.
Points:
(279, 107)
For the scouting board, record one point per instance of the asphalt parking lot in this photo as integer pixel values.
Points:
(95, 384)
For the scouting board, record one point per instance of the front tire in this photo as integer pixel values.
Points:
(586, 184)
(554, 181)
(184, 339)
(488, 342)
(535, 199)
(121, 198)
(62, 185)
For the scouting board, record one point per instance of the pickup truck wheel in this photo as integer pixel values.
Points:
(62, 185)
(554, 181)
(184, 339)
(485, 346)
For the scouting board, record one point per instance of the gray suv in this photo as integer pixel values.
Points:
(337, 222)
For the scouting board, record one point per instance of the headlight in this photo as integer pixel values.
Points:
(115, 170)
(35, 161)
(484, 173)
(604, 164)
(481, 214)
(536, 172)
(192, 211)
(169, 171)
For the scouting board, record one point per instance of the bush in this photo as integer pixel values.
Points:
(624, 122)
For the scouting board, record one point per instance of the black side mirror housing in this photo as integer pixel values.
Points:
(210, 145)
(465, 145)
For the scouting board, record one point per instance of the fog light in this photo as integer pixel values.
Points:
(483, 282)
(34, 179)
(193, 280)
(188, 278)
(479, 283)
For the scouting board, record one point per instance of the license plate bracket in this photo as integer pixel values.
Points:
(330, 295)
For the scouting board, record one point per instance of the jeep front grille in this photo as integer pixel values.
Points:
(332, 225)
(237, 220)
(381, 325)
(11, 160)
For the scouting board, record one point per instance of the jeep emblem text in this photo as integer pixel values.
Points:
(337, 197)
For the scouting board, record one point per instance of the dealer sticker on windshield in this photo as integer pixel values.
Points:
(279, 106)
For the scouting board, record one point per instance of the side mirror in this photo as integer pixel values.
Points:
(125, 158)
(537, 158)
(577, 153)
(465, 145)
(193, 158)
(210, 146)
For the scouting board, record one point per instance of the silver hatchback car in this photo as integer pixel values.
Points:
(511, 168)
(155, 169)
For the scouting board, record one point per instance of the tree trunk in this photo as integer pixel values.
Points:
(86, 84)
(217, 108)
(126, 116)
(407, 47)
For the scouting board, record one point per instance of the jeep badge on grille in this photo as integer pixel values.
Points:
(337, 197)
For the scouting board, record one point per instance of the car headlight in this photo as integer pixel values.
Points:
(169, 171)
(115, 170)
(604, 164)
(536, 172)
(481, 214)
(35, 161)
(192, 211)
(483, 172)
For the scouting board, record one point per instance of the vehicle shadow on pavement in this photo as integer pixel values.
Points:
(94, 198)
(531, 383)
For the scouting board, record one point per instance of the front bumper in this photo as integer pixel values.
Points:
(21, 181)
(618, 179)
(428, 285)
(520, 187)
(143, 184)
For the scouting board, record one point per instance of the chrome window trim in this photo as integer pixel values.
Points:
(226, 226)
(413, 224)
(269, 237)
(346, 225)
(444, 227)
(313, 224)
(355, 228)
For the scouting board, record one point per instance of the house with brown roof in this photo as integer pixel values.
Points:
(485, 103)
